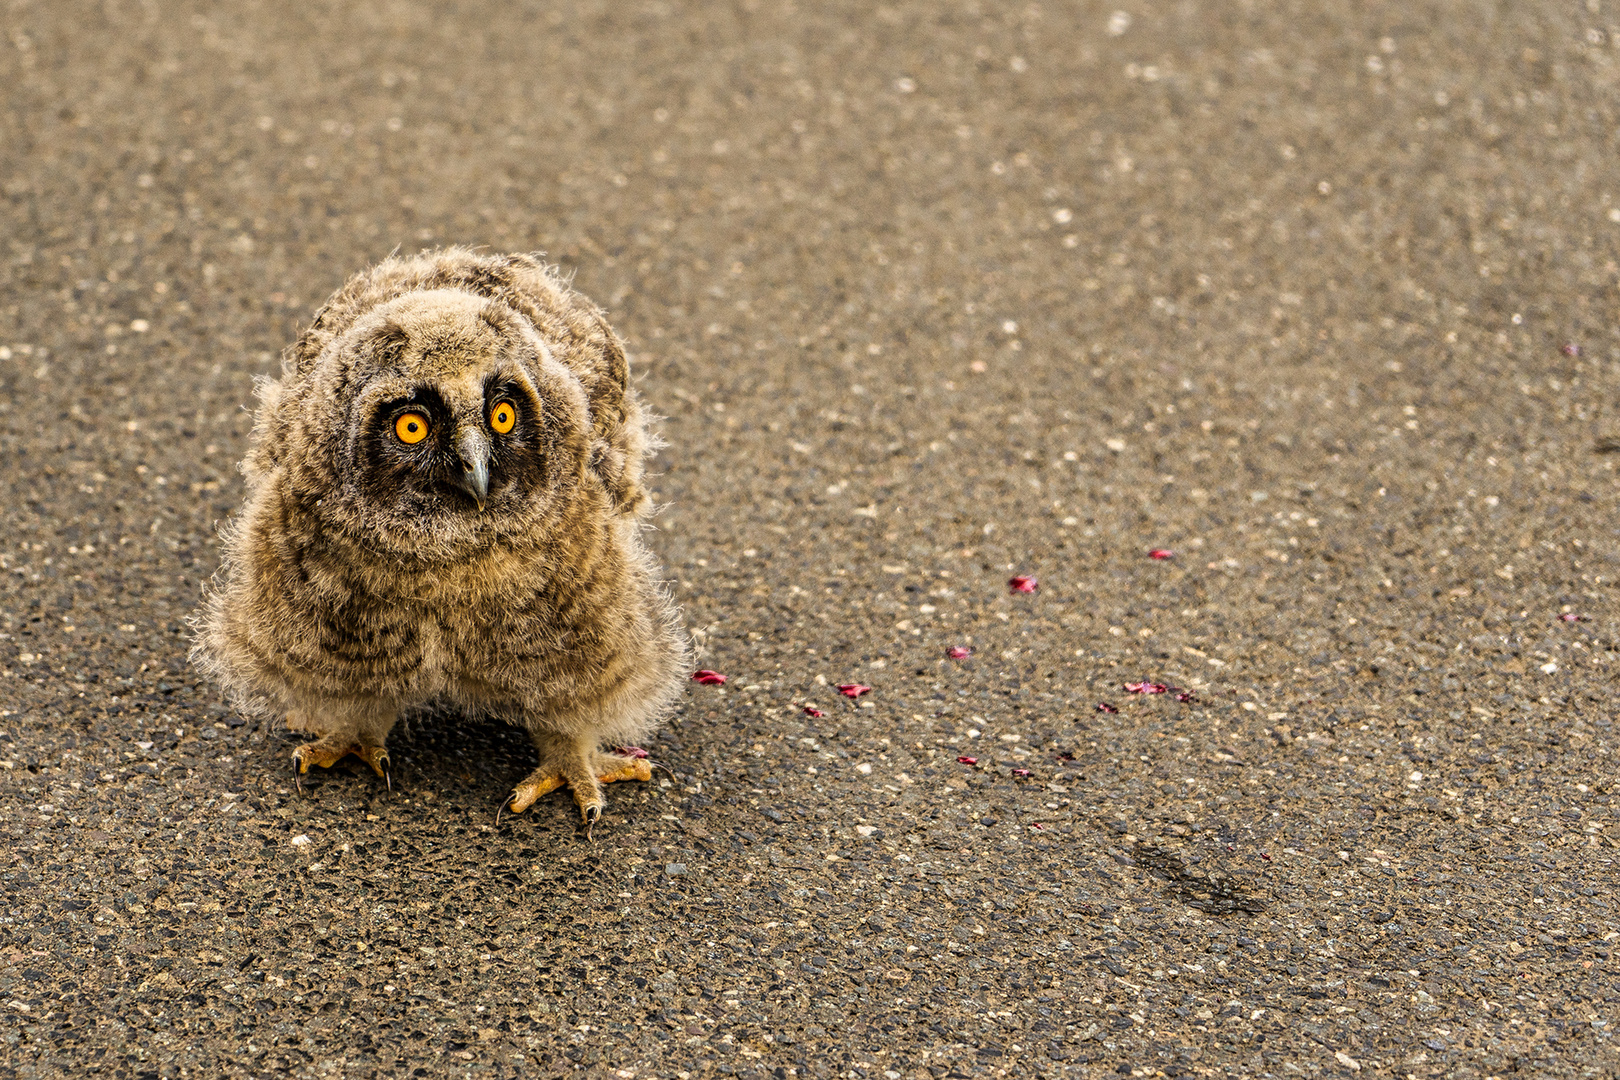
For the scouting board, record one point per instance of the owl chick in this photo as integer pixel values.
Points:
(444, 506)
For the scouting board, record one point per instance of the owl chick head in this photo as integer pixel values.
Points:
(437, 421)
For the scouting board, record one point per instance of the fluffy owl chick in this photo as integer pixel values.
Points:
(444, 506)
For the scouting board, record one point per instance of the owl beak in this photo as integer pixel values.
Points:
(473, 449)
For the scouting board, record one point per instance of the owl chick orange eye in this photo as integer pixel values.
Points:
(411, 428)
(503, 418)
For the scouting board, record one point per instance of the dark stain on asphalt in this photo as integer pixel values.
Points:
(1214, 895)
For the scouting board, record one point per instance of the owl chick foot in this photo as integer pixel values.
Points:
(331, 749)
(584, 778)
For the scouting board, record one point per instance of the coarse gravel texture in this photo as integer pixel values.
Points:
(1319, 298)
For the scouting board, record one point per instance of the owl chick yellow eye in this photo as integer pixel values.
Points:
(411, 428)
(503, 418)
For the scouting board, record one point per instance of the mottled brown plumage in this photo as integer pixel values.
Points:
(398, 548)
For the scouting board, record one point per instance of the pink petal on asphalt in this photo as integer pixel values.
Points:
(1146, 687)
(959, 652)
(1103, 706)
(630, 751)
(1020, 772)
(1161, 553)
(1572, 349)
(1570, 616)
(811, 710)
(708, 678)
(853, 689)
(965, 760)
(1023, 583)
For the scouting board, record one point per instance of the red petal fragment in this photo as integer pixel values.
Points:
(708, 678)
(853, 689)
(1023, 583)
(965, 760)
(1146, 687)
(1103, 706)
(959, 652)
(630, 751)
(1161, 553)
(1265, 856)
(1037, 825)
(1021, 772)
(1184, 696)
(1571, 349)
(1570, 616)
(811, 710)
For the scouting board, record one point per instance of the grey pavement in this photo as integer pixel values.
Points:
(1320, 300)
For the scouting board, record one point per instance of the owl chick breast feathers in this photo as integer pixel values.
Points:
(444, 503)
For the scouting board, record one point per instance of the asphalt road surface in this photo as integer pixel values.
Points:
(1318, 299)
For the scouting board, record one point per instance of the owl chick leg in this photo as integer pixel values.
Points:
(583, 770)
(358, 728)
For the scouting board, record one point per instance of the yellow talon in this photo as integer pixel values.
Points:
(329, 750)
(607, 769)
